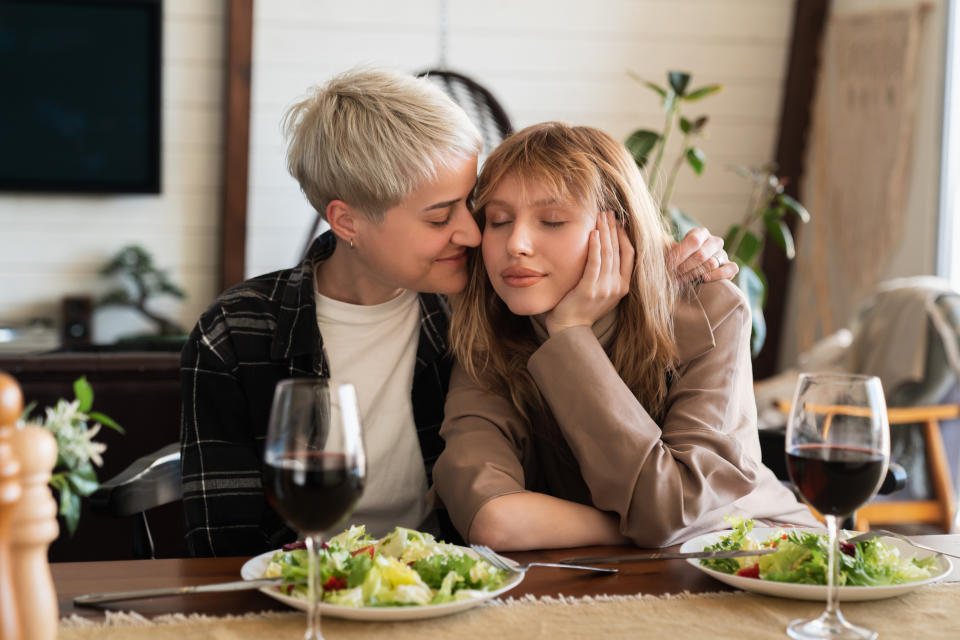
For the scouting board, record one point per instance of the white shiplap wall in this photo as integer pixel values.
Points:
(54, 245)
(561, 59)
(544, 60)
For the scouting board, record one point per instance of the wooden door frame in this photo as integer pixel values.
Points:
(809, 23)
(236, 143)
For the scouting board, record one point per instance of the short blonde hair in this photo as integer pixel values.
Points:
(370, 137)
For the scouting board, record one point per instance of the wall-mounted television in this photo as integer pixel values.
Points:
(80, 95)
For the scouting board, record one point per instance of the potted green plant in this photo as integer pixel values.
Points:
(141, 281)
(767, 208)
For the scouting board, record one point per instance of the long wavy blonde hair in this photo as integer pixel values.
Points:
(586, 166)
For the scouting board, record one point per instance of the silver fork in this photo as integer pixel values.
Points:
(879, 533)
(500, 562)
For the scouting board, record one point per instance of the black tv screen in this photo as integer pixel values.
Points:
(80, 95)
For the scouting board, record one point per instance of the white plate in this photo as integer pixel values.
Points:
(254, 568)
(812, 591)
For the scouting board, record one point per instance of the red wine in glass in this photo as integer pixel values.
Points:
(837, 449)
(312, 490)
(835, 480)
(314, 466)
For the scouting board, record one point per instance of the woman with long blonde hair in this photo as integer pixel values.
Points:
(596, 398)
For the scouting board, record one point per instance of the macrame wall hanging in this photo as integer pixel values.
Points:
(857, 171)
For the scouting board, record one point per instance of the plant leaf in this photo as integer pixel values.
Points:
(660, 90)
(695, 158)
(754, 287)
(685, 125)
(678, 81)
(728, 240)
(84, 393)
(27, 410)
(650, 85)
(69, 508)
(748, 248)
(640, 143)
(794, 206)
(106, 421)
(58, 479)
(780, 232)
(681, 222)
(83, 480)
(698, 124)
(702, 92)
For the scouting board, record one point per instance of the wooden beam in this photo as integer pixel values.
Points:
(809, 20)
(236, 145)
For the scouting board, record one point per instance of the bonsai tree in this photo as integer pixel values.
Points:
(767, 207)
(141, 281)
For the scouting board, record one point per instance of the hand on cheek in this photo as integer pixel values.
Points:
(605, 280)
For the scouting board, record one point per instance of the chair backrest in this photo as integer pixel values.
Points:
(908, 334)
(476, 100)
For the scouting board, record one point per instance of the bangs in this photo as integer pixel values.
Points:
(567, 175)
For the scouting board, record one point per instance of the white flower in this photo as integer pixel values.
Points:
(75, 443)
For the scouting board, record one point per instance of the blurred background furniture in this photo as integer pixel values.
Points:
(141, 391)
(150, 482)
(907, 334)
(481, 106)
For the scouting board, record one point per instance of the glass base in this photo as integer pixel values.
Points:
(828, 626)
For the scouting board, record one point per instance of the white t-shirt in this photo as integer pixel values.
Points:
(374, 348)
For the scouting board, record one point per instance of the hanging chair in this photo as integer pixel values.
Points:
(477, 101)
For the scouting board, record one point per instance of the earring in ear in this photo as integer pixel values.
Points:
(351, 243)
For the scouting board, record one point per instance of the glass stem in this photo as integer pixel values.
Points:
(314, 589)
(833, 565)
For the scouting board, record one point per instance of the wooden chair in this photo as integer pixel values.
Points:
(941, 507)
(938, 510)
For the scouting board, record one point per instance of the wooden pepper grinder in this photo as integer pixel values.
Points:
(11, 404)
(33, 528)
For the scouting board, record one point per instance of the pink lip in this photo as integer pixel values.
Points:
(520, 272)
(454, 259)
(520, 277)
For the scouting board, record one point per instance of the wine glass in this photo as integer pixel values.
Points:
(838, 448)
(314, 466)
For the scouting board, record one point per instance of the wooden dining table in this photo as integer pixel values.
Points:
(71, 579)
(658, 577)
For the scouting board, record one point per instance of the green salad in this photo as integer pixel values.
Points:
(403, 568)
(801, 558)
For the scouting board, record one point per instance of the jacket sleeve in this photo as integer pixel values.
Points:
(224, 504)
(660, 480)
(481, 459)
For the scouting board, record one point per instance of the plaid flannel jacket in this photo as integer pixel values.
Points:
(254, 335)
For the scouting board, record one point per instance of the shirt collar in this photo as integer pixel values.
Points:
(297, 331)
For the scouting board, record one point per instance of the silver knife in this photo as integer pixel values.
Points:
(239, 585)
(668, 555)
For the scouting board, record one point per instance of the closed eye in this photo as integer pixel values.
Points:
(554, 224)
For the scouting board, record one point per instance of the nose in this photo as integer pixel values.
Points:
(519, 241)
(466, 233)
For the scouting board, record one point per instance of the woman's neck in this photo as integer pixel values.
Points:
(344, 277)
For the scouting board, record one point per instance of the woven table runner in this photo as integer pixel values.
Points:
(931, 612)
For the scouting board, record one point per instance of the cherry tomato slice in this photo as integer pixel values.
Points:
(750, 572)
